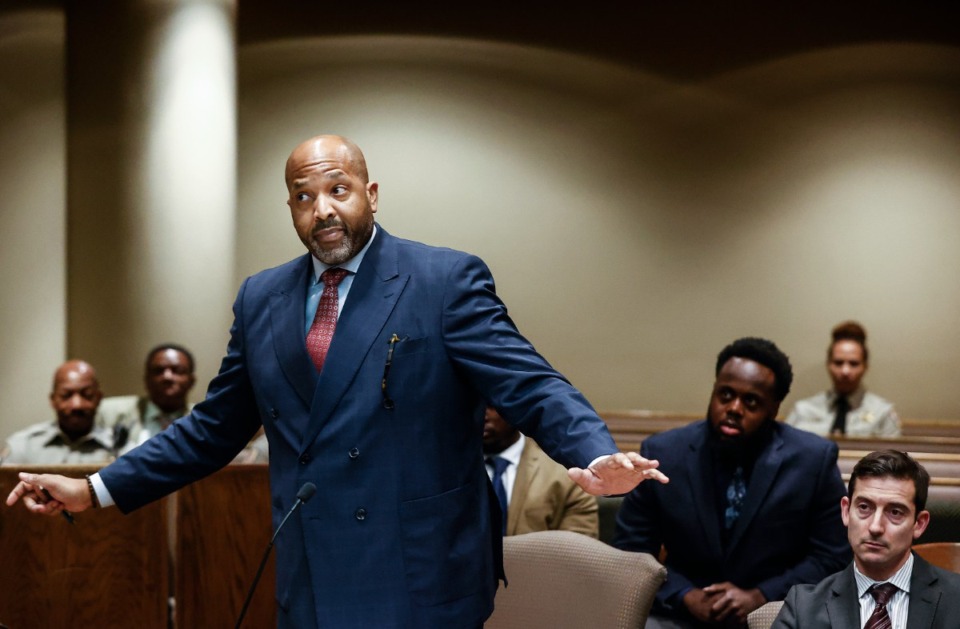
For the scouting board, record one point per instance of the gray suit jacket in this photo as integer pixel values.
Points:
(833, 603)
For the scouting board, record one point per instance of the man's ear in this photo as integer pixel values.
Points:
(373, 195)
(923, 519)
(845, 510)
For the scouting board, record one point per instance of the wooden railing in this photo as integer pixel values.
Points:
(109, 570)
(630, 428)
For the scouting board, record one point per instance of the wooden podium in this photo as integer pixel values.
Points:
(110, 570)
(223, 528)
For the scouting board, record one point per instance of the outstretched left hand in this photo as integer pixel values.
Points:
(616, 474)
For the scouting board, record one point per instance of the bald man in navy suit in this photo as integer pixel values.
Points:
(402, 532)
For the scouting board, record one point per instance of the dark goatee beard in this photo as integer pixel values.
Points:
(739, 449)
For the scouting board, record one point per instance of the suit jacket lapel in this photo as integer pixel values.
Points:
(287, 304)
(924, 595)
(703, 488)
(761, 481)
(373, 295)
(526, 472)
(843, 606)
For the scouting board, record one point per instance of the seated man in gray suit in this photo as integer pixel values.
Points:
(886, 585)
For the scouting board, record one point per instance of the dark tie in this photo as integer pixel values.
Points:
(842, 406)
(499, 466)
(325, 321)
(881, 593)
(736, 490)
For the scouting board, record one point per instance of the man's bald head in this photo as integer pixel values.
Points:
(336, 147)
(332, 200)
(75, 397)
(72, 370)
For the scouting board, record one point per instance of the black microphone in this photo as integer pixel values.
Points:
(306, 493)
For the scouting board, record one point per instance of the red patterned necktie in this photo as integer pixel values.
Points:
(881, 593)
(325, 321)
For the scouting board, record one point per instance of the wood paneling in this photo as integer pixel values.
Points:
(223, 525)
(103, 571)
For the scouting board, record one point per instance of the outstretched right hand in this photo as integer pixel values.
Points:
(71, 494)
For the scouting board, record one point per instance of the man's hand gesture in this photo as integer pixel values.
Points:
(616, 474)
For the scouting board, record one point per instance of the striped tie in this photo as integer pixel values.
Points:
(881, 593)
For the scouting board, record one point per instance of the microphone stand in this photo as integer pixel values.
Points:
(306, 493)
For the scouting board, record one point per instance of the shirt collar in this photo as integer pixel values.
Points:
(855, 399)
(98, 433)
(901, 578)
(513, 451)
(352, 265)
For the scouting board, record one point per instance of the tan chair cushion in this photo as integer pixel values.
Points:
(565, 580)
(763, 616)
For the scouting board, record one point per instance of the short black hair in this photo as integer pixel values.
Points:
(165, 346)
(893, 464)
(767, 354)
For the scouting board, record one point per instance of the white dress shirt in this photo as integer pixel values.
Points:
(899, 604)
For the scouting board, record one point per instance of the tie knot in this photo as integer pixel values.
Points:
(499, 464)
(881, 592)
(333, 277)
(842, 403)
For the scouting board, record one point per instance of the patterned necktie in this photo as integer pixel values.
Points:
(736, 490)
(842, 406)
(881, 593)
(325, 321)
(499, 466)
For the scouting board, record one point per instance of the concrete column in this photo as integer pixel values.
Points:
(32, 201)
(151, 191)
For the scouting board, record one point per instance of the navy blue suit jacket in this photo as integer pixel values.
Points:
(789, 530)
(399, 533)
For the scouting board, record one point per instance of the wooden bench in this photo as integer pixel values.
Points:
(630, 428)
(941, 466)
(931, 428)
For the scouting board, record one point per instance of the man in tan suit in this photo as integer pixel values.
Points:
(537, 491)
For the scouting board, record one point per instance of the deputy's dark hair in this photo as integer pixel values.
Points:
(849, 331)
(165, 346)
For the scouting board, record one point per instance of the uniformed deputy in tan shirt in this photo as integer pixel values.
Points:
(72, 438)
(847, 408)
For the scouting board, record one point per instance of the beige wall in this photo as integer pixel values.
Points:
(635, 224)
(32, 213)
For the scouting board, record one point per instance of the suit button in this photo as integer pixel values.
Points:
(354, 453)
(274, 413)
(361, 514)
(304, 459)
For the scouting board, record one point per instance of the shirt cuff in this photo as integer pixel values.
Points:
(103, 495)
(598, 459)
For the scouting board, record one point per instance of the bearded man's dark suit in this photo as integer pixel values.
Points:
(789, 530)
(400, 532)
(834, 603)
